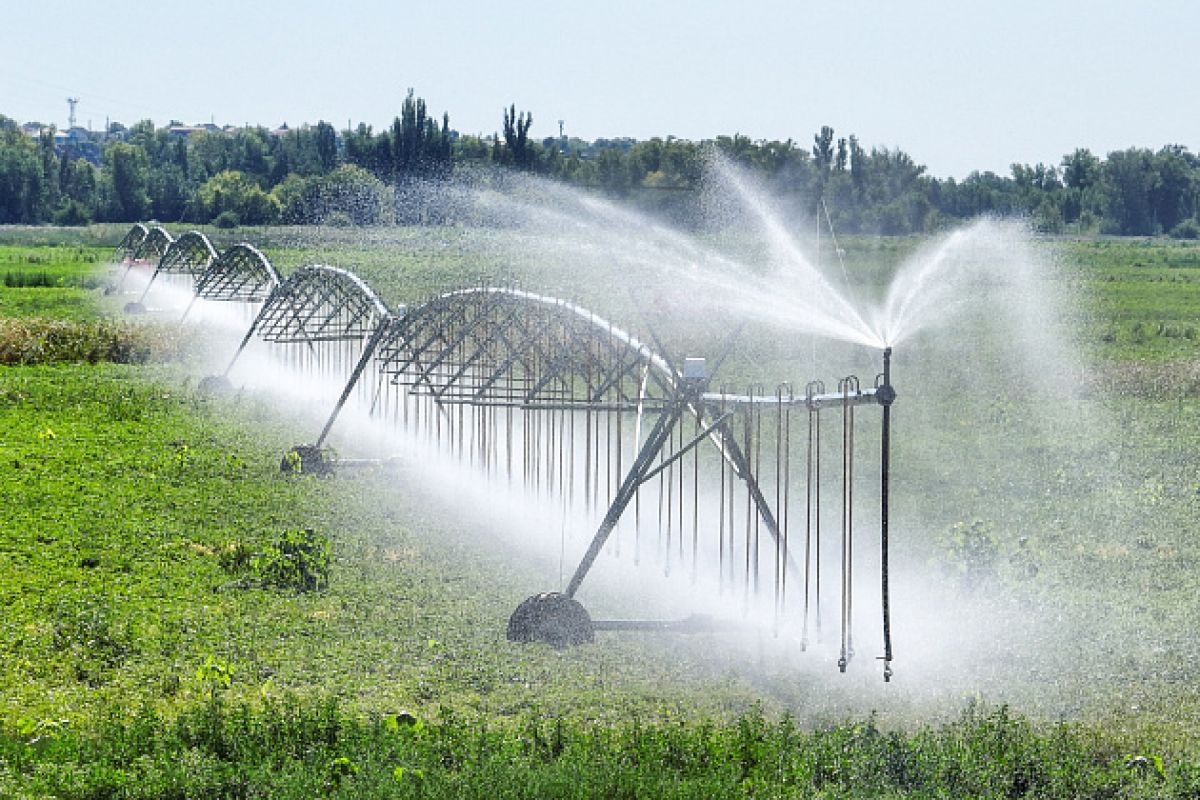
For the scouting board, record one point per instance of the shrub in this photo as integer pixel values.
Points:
(298, 560)
(338, 219)
(227, 220)
(1188, 229)
(971, 551)
(31, 340)
(28, 280)
(235, 558)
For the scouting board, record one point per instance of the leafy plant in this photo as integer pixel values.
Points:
(1145, 766)
(215, 675)
(227, 220)
(339, 770)
(298, 560)
(971, 551)
(292, 462)
(235, 558)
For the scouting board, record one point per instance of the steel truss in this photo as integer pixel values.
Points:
(154, 245)
(502, 346)
(130, 243)
(142, 246)
(188, 256)
(241, 274)
(318, 307)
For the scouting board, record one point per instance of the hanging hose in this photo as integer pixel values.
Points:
(847, 386)
(780, 508)
(723, 432)
(886, 395)
(812, 512)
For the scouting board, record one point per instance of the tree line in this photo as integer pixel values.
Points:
(316, 174)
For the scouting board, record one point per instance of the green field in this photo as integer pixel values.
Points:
(147, 654)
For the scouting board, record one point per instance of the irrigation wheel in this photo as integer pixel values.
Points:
(551, 617)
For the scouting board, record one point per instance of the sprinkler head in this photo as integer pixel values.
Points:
(553, 618)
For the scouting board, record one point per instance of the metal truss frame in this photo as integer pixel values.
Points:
(318, 304)
(191, 254)
(241, 274)
(130, 242)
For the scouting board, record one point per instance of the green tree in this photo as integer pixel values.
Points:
(22, 182)
(348, 192)
(238, 194)
(290, 195)
(128, 176)
(823, 150)
(737, 148)
(1173, 187)
(1081, 169)
(516, 150)
(1081, 173)
(1128, 177)
(50, 177)
(858, 165)
(78, 181)
(360, 148)
(419, 145)
(326, 141)
(251, 152)
(612, 171)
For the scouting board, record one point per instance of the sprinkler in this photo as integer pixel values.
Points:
(540, 394)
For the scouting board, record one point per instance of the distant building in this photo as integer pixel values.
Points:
(184, 131)
(80, 143)
(74, 143)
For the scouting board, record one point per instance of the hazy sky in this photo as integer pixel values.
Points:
(958, 85)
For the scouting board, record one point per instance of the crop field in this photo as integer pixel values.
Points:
(183, 619)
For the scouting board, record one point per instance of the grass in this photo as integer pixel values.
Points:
(118, 491)
(145, 655)
(1145, 295)
(295, 749)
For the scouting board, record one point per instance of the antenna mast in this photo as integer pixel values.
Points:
(71, 101)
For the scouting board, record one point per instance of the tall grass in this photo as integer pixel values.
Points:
(291, 749)
(34, 340)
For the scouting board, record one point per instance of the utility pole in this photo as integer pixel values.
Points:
(71, 101)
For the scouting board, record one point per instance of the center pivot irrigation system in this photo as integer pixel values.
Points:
(544, 396)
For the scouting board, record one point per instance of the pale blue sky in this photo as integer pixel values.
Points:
(958, 85)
